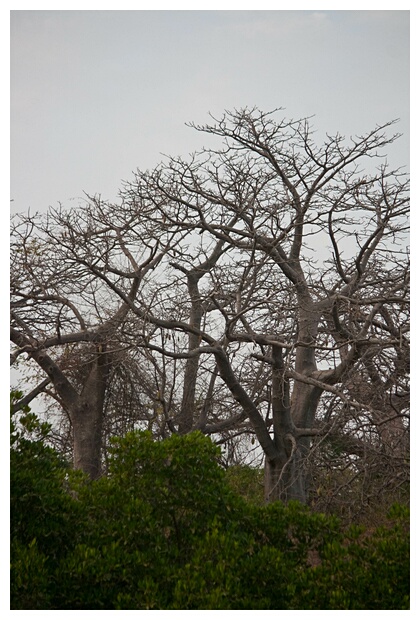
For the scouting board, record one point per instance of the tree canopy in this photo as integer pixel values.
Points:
(257, 292)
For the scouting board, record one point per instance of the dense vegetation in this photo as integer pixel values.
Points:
(166, 528)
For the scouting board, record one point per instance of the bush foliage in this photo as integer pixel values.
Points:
(166, 529)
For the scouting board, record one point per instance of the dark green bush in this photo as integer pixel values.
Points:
(165, 530)
(366, 571)
(144, 520)
(41, 509)
(30, 577)
(247, 482)
(44, 517)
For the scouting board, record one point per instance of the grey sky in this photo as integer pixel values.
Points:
(96, 94)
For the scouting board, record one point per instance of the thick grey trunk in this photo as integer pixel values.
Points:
(87, 431)
(186, 415)
(86, 416)
(285, 479)
(285, 475)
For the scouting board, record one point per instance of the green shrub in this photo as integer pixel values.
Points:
(29, 577)
(41, 509)
(165, 530)
(365, 571)
(231, 571)
(44, 517)
(144, 520)
(247, 482)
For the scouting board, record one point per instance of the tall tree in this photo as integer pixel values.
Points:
(277, 199)
(261, 288)
(64, 321)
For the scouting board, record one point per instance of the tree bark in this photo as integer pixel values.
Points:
(284, 477)
(85, 410)
(186, 416)
(86, 416)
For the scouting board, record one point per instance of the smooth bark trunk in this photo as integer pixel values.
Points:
(86, 416)
(285, 475)
(285, 478)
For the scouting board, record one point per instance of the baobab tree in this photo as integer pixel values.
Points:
(265, 282)
(67, 324)
(272, 195)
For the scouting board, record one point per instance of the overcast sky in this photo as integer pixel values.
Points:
(96, 94)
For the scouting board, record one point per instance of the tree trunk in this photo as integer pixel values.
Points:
(285, 476)
(87, 430)
(285, 479)
(85, 410)
(186, 416)
(86, 416)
